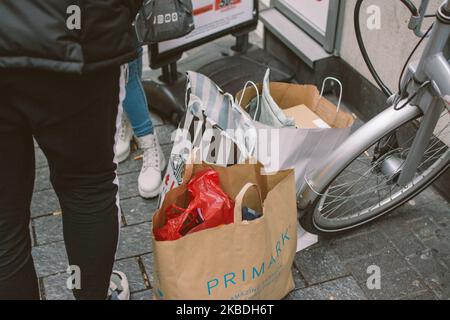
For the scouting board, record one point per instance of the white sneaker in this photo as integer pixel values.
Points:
(125, 135)
(153, 163)
(118, 287)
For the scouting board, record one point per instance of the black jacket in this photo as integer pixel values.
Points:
(34, 34)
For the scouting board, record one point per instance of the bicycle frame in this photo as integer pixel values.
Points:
(434, 67)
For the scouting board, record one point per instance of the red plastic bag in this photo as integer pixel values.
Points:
(210, 207)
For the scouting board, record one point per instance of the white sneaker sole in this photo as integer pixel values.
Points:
(150, 194)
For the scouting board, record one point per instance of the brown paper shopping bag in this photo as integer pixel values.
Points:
(304, 148)
(243, 260)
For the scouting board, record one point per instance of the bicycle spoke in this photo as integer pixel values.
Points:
(362, 188)
(365, 193)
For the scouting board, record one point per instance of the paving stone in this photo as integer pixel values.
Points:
(147, 260)
(143, 295)
(42, 180)
(40, 159)
(137, 210)
(433, 270)
(446, 261)
(392, 225)
(396, 286)
(430, 203)
(440, 245)
(408, 212)
(56, 287)
(50, 259)
(319, 264)
(128, 184)
(299, 281)
(436, 207)
(425, 295)
(428, 196)
(131, 269)
(438, 211)
(134, 241)
(130, 165)
(164, 133)
(389, 261)
(340, 289)
(48, 229)
(407, 243)
(367, 228)
(361, 245)
(444, 224)
(441, 289)
(424, 228)
(44, 203)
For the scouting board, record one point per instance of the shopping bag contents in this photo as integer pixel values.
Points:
(305, 118)
(209, 207)
(252, 207)
(319, 125)
(249, 214)
(285, 105)
(265, 109)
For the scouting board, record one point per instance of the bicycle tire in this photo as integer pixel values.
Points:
(308, 218)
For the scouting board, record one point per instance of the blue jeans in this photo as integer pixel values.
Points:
(135, 104)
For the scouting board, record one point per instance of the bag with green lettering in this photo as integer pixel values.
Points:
(245, 260)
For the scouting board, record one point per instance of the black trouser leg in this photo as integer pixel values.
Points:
(80, 149)
(17, 275)
(73, 118)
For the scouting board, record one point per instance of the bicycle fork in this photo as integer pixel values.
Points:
(420, 143)
(433, 73)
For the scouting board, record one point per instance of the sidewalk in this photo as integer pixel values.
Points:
(411, 246)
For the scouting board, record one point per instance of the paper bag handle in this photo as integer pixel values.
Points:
(240, 198)
(258, 98)
(340, 90)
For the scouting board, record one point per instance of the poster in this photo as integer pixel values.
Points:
(212, 16)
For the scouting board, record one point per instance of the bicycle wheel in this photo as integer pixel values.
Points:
(366, 189)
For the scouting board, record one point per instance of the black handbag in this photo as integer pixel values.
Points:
(161, 20)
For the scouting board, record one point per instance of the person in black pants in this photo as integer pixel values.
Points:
(64, 88)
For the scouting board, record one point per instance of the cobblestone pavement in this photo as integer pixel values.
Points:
(411, 246)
